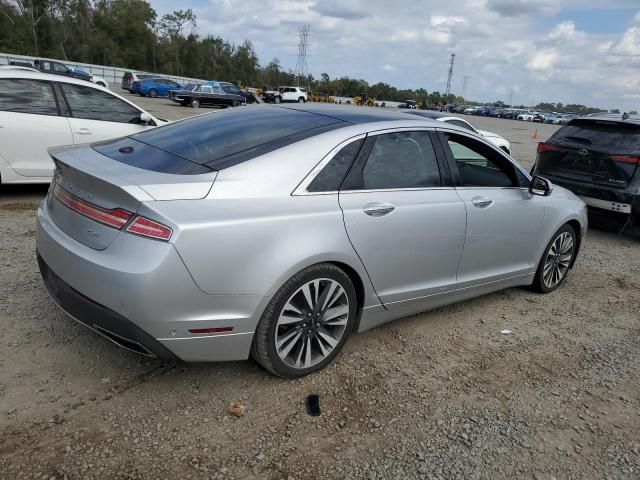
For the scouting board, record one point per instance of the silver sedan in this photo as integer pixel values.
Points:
(276, 232)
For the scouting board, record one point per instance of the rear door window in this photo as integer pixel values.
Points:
(397, 160)
(27, 96)
(92, 104)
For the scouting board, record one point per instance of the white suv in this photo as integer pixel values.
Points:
(293, 94)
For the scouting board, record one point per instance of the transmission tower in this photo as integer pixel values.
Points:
(464, 86)
(448, 90)
(302, 70)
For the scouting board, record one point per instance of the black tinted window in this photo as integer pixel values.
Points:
(93, 104)
(479, 165)
(401, 160)
(610, 137)
(331, 176)
(27, 96)
(237, 135)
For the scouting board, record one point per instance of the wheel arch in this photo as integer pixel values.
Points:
(358, 285)
(575, 224)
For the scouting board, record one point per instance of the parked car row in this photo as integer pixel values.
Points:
(513, 113)
(58, 68)
(224, 94)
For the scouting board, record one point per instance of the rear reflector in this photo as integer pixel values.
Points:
(626, 159)
(116, 218)
(545, 147)
(148, 228)
(212, 330)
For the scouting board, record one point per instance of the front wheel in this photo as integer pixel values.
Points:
(556, 260)
(277, 100)
(306, 323)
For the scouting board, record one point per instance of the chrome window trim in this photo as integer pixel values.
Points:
(479, 137)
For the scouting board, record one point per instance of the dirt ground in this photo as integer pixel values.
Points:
(441, 395)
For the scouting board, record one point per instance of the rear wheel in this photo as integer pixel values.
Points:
(195, 103)
(301, 100)
(153, 93)
(235, 103)
(556, 260)
(306, 323)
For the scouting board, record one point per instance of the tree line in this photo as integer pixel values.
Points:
(130, 34)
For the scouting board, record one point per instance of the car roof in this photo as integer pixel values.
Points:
(427, 114)
(617, 118)
(350, 114)
(36, 75)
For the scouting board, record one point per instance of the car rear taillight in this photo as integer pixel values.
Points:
(116, 218)
(149, 228)
(633, 159)
(545, 147)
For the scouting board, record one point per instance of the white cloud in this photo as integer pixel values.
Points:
(388, 68)
(542, 60)
(629, 44)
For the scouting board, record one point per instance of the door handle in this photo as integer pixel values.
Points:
(377, 209)
(481, 202)
(84, 131)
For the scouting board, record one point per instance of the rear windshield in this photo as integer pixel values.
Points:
(600, 135)
(221, 140)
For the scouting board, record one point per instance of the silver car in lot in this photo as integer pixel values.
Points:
(275, 232)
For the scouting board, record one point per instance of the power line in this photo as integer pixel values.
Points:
(448, 89)
(302, 69)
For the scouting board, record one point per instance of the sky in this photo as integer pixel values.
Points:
(569, 51)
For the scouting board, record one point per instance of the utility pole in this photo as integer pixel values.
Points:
(464, 86)
(302, 70)
(511, 98)
(448, 89)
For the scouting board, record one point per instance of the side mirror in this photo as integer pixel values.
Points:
(145, 118)
(540, 186)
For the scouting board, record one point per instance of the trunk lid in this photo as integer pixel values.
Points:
(598, 152)
(87, 183)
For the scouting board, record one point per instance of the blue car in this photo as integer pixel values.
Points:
(155, 87)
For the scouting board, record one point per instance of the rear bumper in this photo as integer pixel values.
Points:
(101, 319)
(623, 201)
(139, 294)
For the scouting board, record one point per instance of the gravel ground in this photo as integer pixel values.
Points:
(441, 395)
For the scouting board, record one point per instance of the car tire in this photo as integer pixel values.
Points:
(101, 84)
(277, 99)
(153, 93)
(235, 104)
(195, 103)
(301, 100)
(306, 347)
(556, 260)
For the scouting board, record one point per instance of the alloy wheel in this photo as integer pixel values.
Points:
(311, 323)
(558, 260)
